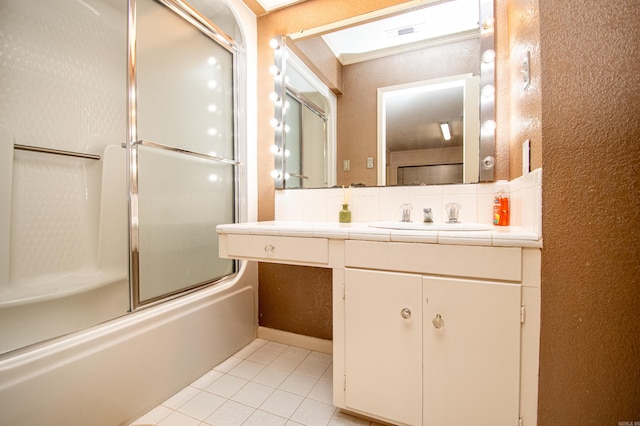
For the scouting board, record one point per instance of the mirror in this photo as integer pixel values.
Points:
(407, 56)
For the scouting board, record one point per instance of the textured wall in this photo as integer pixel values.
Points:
(303, 293)
(590, 337)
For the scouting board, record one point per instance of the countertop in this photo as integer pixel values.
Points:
(497, 236)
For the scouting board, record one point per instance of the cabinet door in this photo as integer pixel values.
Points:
(471, 352)
(383, 345)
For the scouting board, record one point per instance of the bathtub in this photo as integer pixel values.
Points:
(112, 373)
(59, 368)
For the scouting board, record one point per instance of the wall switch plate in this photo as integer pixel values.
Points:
(369, 162)
(526, 156)
(346, 165)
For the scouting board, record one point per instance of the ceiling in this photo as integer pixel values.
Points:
(390, 35)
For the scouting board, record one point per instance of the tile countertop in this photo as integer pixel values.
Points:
(506, 236)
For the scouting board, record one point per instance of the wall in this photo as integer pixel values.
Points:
(590, 126)
(308, 307)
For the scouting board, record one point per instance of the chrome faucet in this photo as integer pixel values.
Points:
(428, 215)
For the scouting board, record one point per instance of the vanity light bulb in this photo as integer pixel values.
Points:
(488, 56)
(273, 70)
(286, 153)
(275, 173)
(274, 123)
(488, 91)
(275, 149)
(287, 176)
(489, 127)
(274, 44)
(273, 96)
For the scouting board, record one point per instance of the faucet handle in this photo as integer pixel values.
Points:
(405, 209)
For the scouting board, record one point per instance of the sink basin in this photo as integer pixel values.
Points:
(419, 226)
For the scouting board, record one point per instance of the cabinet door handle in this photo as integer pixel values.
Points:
(405, 313)
(438, 322)
(269, 249)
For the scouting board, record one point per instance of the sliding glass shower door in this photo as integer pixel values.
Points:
(182, 151)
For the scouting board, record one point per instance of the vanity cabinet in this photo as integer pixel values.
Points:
(423, 334)
(431, 350)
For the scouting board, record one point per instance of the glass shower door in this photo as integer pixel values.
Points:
(182, 155)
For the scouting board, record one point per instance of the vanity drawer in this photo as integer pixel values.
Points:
(278, 249)
(496, 263)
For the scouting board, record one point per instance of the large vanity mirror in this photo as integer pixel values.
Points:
(405, 96)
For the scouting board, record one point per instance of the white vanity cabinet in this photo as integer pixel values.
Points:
(423, 334)
(431, 350)
(383, 344)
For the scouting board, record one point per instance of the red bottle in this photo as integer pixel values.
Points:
(501, 208)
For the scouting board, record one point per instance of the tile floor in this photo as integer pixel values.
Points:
(265, 383)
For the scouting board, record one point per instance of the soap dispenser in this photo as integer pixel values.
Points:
(501, 204)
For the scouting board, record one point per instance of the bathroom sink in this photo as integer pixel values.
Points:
(420, 226)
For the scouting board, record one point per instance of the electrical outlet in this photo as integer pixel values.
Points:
(346, 165)
(369, 162)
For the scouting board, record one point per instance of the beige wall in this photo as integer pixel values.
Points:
(582, 114)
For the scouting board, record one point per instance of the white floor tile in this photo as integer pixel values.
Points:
(246, 369)
(264, 356)
(266, 384)
(202, 405)
(154, 416)
(281, 403)
(313, 413)
(226, 386)
(206, 380)
(181, 397)
(178, 419)
(262, 418)
(253, 394)
(298, 383)
(287, 361)
(230, 414)
(271, 376)
(276, 346)
(312, 367)
(228, 364)
(322, 391)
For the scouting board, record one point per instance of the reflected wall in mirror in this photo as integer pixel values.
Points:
(407, 53)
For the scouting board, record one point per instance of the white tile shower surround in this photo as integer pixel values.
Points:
(265, 383)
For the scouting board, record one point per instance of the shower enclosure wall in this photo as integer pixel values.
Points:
(121, 149)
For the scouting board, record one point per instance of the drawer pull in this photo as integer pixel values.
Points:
(438, 322)
(269, 249)
(405, 313)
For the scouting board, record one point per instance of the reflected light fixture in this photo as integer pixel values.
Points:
(446, 131)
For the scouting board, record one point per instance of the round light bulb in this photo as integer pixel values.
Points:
(274, 123)
(275, 174)
(274, 44)
(273, 96)
(488, 56)
(488, 91)
(274, 149)
(273, 70)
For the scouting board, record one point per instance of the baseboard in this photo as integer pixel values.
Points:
(298, 340)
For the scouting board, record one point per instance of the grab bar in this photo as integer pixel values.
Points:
(186, 151)
(55, 151)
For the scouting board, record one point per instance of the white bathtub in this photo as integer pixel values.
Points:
(112, 373)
